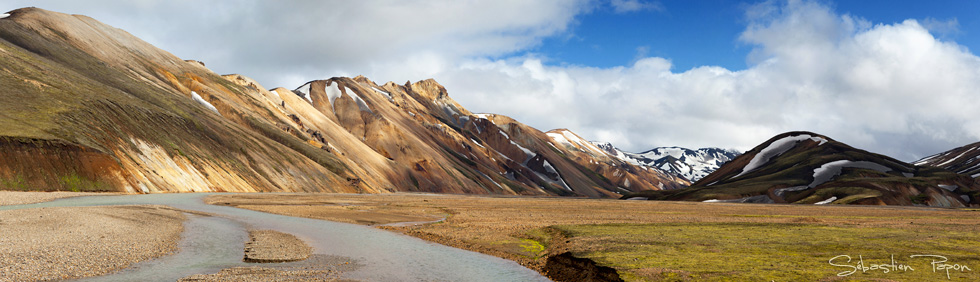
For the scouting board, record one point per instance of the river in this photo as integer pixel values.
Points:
(211, 243)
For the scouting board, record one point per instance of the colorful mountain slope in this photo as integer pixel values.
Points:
(962, 160)
(808, 168)
(85, 106)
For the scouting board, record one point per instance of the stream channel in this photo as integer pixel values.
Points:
(211, 243)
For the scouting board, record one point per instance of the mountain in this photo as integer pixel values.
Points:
(689, 164)
(962, 160)
(808, 168)
(85, 106)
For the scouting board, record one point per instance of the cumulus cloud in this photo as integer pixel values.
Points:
(281, 41)
(894, 88)
(889, 88)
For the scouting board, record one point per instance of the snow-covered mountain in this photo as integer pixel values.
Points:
(690, 164)
(962, 160)
(808, 168)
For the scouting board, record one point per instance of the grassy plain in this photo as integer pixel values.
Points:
(668, 241)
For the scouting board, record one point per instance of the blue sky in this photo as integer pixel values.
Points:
(699, 33)
(894, 77)
(690, 33)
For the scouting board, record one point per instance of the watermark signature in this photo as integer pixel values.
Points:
(938, 264)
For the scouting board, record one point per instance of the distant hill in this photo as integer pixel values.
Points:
(689, 164)
(808, 168)
(962, 160)
(88, 107)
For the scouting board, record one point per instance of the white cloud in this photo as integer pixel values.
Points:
(277, 41)
(889, 88)
(942, 28)
(893, 89)
(626, 6)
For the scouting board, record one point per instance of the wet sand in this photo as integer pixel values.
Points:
(315, 268)
(273, 246)
(65, 243)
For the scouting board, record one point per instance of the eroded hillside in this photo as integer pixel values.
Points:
(85, 106)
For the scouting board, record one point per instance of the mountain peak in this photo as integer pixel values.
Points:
(690, 164)
(430, 89)
(114, 113)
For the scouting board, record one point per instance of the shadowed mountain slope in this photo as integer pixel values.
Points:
(962, 160)
(85, 106)
(808, 168)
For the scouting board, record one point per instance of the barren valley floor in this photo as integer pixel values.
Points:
(641, 240)
(671, 241)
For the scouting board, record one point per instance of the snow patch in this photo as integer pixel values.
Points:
(305, 89)
(382, 92)
(779, 192)
(4, 15)
(760, 199)
(199, 100)
(551, 169)
(953, 159)
(360, 102)
(527, 152)
(477, 143)
(828, 171)
(567, 137)
(333, 92)
(504, 134)
(827, 201)
(777, 148)
(950, 188)
(450, 110)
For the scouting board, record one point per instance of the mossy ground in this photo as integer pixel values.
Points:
(773, 251)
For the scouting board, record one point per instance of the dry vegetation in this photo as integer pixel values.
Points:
(651, 240)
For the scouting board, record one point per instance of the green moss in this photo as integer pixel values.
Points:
(75, 183)
(16, 183)
(769, 251)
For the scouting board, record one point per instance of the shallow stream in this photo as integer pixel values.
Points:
(209, 244)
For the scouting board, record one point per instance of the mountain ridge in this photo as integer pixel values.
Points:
(808, 168)
(105, 111)
(962, 160)
(687, 163)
